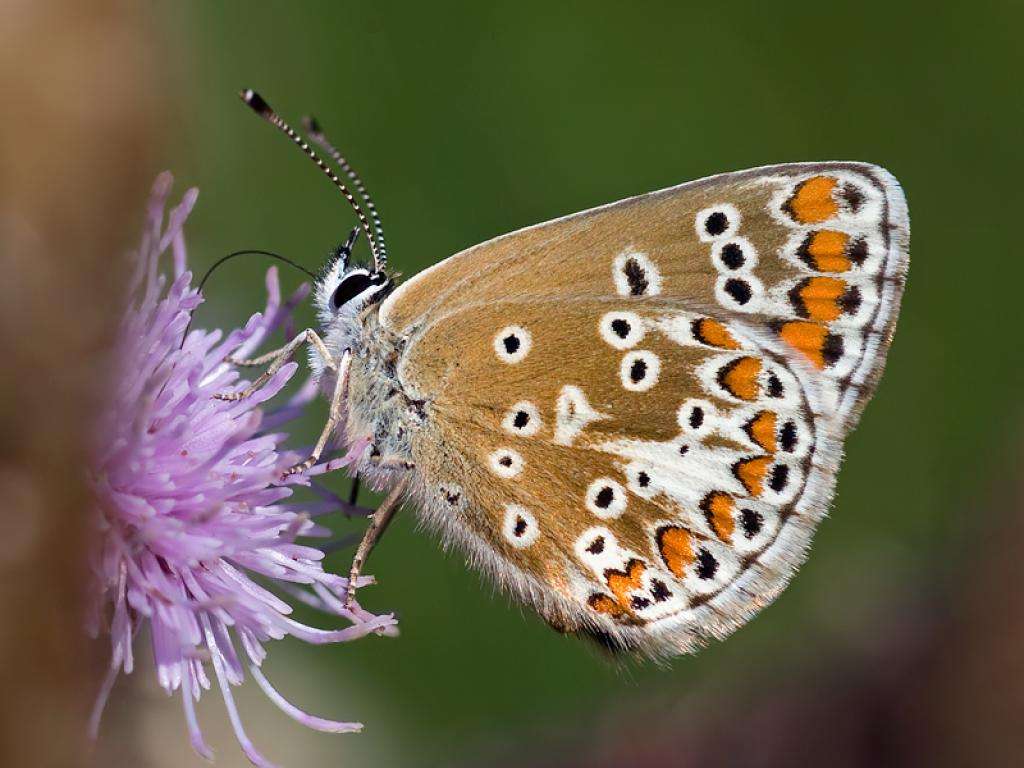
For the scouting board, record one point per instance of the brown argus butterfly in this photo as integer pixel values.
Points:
(630, 418)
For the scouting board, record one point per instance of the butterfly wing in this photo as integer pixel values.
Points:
(633, 416)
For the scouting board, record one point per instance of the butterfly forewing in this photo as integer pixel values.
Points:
(633, 416)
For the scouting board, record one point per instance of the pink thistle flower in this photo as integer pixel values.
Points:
(195, 543)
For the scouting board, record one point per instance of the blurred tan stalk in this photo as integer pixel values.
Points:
(78, 96)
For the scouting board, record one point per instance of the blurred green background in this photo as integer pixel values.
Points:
(470, 120)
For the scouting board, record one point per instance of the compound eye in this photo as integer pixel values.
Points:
(351, 286)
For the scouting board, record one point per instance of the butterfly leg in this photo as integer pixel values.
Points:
(314, 339)
(277, 358)
(333, 417)
(378, 524)
(391, 462)
(252, 362)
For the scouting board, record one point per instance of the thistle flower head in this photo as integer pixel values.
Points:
(198, 548)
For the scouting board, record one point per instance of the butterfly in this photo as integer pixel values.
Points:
(630, 418)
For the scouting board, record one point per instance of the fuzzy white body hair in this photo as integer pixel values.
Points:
(341, 328)
(375, 405)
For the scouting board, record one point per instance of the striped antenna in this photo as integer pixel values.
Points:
(317, 136)
(261, 108)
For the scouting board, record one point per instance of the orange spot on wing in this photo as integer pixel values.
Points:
(818, 298)
(675, 548)
(812, 203)
(714, 334)
(814, 341)
(761, 429)
(826, 251)
(718, 510)
(751, 472)
(605, 604)
(739, 377)
(621, 584)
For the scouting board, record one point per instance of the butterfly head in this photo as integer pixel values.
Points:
(344, 289)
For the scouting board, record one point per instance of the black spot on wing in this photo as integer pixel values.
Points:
(596, 547)
(638, 371)
(850, 301)
(832, 351)
(751, 522)
(739, 290)
(636, 277)
(788, 437)
(779, 478)
(858, 251)
(660, 591)
(852, 195)
(716, 223)
(707, 565)
(732, 256)
(696, 417)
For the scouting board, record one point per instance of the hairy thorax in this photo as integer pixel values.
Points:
(377, 406)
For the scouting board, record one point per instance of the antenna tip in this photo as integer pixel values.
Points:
(255, 102)
(311, 124)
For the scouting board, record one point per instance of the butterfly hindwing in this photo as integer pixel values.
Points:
(633, 416)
